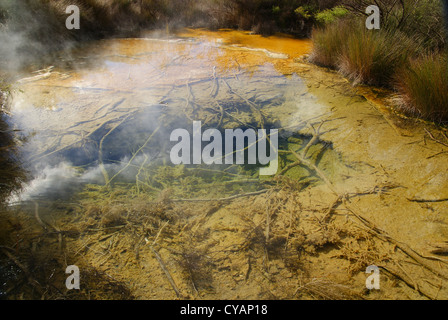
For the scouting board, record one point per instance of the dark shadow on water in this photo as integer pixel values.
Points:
(12, 174)
(12, 177)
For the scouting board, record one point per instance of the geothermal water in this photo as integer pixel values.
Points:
(357, 185)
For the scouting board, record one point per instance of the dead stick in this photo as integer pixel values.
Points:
(315, 138)
(434, 139)
(36, 215)
(100, 150)
(331, 208)
(288, 167)
(375, 230)
(160, 231)
(165, 270)
(252, 105)
(139, 171)
(268, 220)
(402, 246)
(426, 200)
(317, 170)
(409, 282)
(134, 155)
(224, 199)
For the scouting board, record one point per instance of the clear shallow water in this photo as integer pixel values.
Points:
(98, 123)
(108, 109)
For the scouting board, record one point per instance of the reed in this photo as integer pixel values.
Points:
(329, 43)
(423, 87)
(364, 56)
(402, 55)
(373, 56)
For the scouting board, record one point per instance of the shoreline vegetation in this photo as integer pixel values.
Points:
(407, 54)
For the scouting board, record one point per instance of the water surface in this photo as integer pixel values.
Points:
(104, 195)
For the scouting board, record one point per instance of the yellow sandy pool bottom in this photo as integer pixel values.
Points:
(279, 43)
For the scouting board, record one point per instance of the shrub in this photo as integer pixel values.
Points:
(304, 12)
(420, 19)
(423, 87)
(330, 15)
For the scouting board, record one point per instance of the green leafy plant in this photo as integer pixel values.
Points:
(304, 12)
(330, 15)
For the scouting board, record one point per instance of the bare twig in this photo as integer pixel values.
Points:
(165, 270)
(436, 140)
(249, 194)
(316, 135)
(134, 155)
(36, 215)
(427, 200)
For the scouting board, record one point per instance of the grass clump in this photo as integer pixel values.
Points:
(402, 55)
(423, 87)
(373, 57)
(364, 56)
(329, 43)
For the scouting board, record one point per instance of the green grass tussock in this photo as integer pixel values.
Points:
(364, 56)
(403, 55)
(423, 87)
(329, 43)
(372, 57)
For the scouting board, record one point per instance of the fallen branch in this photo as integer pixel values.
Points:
(402, 246)
(315, 138)
(215, 89)
(288, 167)
(371, 227)
(252, 105)
(436, 140)
(250, 194)
(408, 281)
(46, 153)
(437, 154)
(319, 172)
(427, 200)
(134, 155)
(165, 270)
(36, 215)
(137, 180)
(100, 150)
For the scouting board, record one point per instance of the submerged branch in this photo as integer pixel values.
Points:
(166, 271)
(134, 155)
(249, 194)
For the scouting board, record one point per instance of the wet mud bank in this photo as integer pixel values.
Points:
(356, 186)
